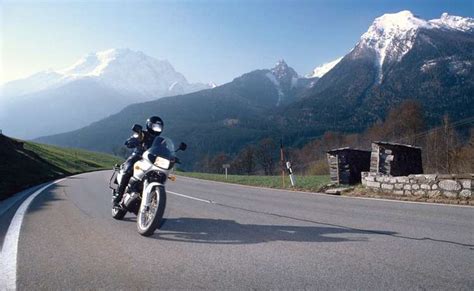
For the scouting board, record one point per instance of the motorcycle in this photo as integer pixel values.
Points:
(147, 199)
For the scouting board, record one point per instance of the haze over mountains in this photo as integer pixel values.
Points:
(62, 100)
(400, 57)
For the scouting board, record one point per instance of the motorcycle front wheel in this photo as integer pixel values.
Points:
(150, 219)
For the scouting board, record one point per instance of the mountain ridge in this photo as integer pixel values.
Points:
(439, 59)
(436, 71)
(120, 69)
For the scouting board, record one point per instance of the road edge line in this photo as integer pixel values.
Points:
(9, 252)
(8, 203)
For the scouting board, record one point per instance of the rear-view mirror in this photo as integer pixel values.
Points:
(182, 147)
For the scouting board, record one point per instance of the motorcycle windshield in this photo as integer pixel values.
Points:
(162, 147)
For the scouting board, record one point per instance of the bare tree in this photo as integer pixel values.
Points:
(265, 155)
(215, 164)
(404, 122)
(245, 162)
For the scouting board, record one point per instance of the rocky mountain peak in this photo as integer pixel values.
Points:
(392, 35)
(283, 72)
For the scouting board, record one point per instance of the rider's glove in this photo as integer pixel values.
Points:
(132, 142)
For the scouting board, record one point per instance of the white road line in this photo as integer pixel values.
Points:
(6, 204)
(9, 253)
(190, 197)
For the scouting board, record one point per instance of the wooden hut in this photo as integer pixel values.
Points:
(346, 165)
(395, 159)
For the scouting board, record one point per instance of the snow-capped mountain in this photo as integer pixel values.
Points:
(230, 114)
(96, 86)
(321, 70)
(36, 82)
(401, 56)
(121, 69)
(452, 22)
(392, 36)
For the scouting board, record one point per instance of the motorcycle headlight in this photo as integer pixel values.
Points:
(162, 163)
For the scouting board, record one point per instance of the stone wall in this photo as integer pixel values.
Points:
(430, 186)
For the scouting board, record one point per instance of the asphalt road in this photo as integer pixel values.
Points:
(247, 238)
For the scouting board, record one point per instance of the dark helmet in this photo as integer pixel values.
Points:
(154, 125)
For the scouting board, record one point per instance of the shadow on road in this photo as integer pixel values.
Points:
(47, 198)
(367, 231)
(221, 231)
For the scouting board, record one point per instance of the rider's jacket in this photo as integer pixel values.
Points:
(141, 143)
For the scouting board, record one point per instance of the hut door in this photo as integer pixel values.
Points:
(385, 162)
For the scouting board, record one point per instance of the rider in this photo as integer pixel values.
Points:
(141, 142)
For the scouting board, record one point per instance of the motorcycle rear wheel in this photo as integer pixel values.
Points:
(117, 212)
(150, 219)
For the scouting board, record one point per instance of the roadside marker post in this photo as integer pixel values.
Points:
(226, 166)
(290, 172)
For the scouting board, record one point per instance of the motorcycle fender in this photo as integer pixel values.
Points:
(147, 190)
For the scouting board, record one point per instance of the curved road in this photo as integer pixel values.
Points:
(245, 238)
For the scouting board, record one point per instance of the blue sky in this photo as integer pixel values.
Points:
(204, 40)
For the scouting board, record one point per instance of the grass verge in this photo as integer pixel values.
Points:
(25, 164)
(304, 183)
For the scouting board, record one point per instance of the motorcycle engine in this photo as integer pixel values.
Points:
(131, 202)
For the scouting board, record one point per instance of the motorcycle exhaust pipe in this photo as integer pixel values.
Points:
(131, 202)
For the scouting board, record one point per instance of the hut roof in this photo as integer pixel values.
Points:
(333, 151)
(394, 144)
